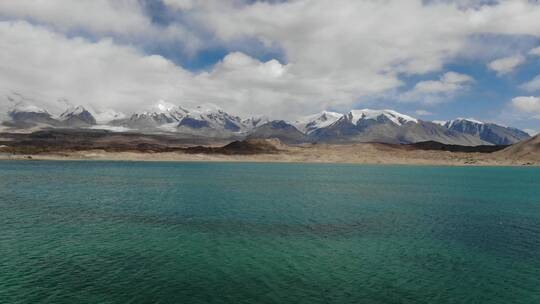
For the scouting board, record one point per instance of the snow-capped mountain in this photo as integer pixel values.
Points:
(158, 116)
(204, 120)
(308, 124)
(254, 122)
(366, 125)
(381, 116)
(489, 132)
(77, 117)
(29, 116)
(209, 121)
(387, 126)
(212, 117)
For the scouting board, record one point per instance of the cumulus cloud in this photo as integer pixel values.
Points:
(532, 85)
(529, 105)
(346, 34)
(435, 91)
(506, 65)
(48, 66)
(421, 112)
(110, 78)
(180, 4)
(526, 103)
(535, 51)
(103, 16)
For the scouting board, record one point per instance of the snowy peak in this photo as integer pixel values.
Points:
(256, 121)
(163, 111)
(165, 107)
(160, 114)
(28, 116)
(168, 117)
(310, 123)
(399, 119)
(488, 132)
(27, 109)
(440, 122)
(461, 120)
(73, 111)
(77, 117)
(165, 116)
(211, 116)
(366, 125)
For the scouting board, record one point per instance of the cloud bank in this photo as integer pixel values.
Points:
(335, 54)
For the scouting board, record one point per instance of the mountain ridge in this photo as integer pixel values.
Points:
(355, 126)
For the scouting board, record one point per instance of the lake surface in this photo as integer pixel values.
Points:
(142, 232)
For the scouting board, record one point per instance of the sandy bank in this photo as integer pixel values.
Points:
(356, 153)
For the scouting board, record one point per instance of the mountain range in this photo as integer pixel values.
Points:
(367, 125)
(33, 117)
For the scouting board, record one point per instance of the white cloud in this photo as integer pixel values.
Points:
(97, 15)
(535, 51)
(506, 65)
(421, 112)
(335, 52)
(531, 132)
(180, 4)
(48, 66)
(109, 78)
(359, 48)
(526, 104)
(435, 91)
(405, 35)
(526, 107)
(101, 18)
(532, 85)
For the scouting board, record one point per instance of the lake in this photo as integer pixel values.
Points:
(158, 232)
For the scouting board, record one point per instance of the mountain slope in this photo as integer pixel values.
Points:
(254, 122)
(281, 130)
(488, 132)
(202, 121)
(159, 116)
(387, 126)
(211, 117)
(77, 117)
(23, 117)
(208, 121)
(527, 150)
(310, 123)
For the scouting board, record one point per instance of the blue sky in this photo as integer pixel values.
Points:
(435, 60)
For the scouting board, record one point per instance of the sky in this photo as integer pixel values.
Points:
(432, 59)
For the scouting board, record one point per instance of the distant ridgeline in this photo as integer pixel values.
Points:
(383, 126)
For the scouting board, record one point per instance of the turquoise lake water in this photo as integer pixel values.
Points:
(134, 232)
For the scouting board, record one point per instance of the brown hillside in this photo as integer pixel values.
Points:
(527, 150)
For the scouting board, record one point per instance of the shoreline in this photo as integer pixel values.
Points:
(81, 145)
(434, 158)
